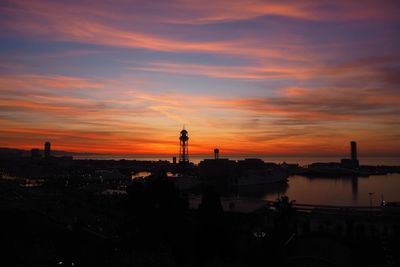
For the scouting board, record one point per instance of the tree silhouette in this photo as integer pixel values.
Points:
(285, 219)
(210, 232)
(156, 219)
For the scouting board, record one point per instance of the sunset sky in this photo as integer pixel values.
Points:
(250, 77)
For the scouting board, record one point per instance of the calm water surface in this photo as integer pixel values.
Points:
(340, 191)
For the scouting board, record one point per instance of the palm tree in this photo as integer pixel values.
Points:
(283, 204)
(285, 220)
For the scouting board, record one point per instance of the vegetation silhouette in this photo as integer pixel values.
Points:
(156, 221)
(285, 219)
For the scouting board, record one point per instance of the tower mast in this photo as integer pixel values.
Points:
(184, 147)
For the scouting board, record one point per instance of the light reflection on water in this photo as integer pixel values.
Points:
(140, 175)
(344, 191)
(341, 191)
(143, 174)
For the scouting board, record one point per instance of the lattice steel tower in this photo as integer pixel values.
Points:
(184, 147)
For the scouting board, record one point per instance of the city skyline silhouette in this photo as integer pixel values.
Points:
(200, 133)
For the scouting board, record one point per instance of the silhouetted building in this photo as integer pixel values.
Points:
(252, 164)
(174, 160)
(217, 169)
(347, 163)
(35, 153)
(184, 147)
(216, 153)
(353, 150)
(353, 161)
(324, 165)
(47, 150)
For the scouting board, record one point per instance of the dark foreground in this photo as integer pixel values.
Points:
(152, 225)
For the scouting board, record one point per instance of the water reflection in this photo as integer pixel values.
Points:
(354, 187)
(343, 191)
(140, 175)
(261, 191)
(248, 191)
(340, 191)
(143, 174)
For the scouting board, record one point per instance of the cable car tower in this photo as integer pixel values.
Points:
(184, 147)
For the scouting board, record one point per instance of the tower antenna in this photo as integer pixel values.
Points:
(184, 147)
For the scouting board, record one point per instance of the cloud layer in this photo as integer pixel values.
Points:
(251, 77)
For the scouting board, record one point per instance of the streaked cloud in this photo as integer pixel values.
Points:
(225, 10)
(266, 77)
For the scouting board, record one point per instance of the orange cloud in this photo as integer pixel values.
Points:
(298, 93)
(190, 11)
(233, 72)
(46, 20)
(225, 10)
(365, 68)
(84, 141)
(294, 119)
(22, 82)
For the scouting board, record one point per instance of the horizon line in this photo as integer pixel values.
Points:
(339, 155)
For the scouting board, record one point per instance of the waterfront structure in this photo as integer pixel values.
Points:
(35, 153)
(252, 164)
(250, 171)
(217, 169)
(353, 161)
(216, 153)
(353, 145)
(47, 150)
(184, 147)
